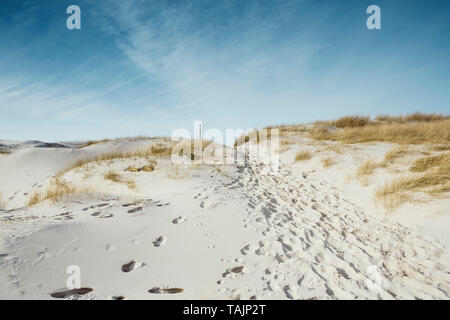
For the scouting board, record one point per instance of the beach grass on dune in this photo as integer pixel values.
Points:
(432, 175)
(56, 191)
(366, 168)
(415, 129)
(58, 188)
(117, 178)
(303, 155)
(327, 162)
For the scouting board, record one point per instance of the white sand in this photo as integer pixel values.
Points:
(298, 234)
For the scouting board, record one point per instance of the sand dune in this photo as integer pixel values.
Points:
(212, 231)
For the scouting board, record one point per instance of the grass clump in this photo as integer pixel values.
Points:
(395, 153)
(112, 175)
(432, 177)
(117, 178)
(92, 142)
(351, 122)
(366, 168)
(56, 191)
(303, 155)
(426, 163)
(432, 132)
(327, 162)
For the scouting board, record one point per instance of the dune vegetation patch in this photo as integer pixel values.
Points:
(56, 191)
(366, 168)
(432, 176)
(92, 142)
(417, 116)
(327, 162)
(118, 178)
(395, 153)
(303, 155)
(156, 150)
(286, 143)
(348, 122)
(426, 163)
(58, 188)
(414, 129)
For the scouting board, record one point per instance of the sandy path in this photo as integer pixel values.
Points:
(314, 243)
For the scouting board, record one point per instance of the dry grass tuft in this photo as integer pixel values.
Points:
(433, 132)
(117, 178)
(327, 162)
(92, 142)
(286, 142)
(303, 155)
(157, 150)
(418, 117)
(366, 168)
(112, 175)
(424, 164)
(56, 191)
(441, 147)
(160, 150)
(395, 153)
(58, 188)
(351, 122)
(434, 178)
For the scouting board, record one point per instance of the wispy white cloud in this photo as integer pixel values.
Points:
(203, 69)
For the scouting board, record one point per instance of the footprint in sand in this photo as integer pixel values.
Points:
(64, 216)
(130, 204)
(106, 215)
(160, 241)
(163, 204)
(69, 293)
(289, 291)
(118, 297)
(132, 265)
(179, 220)
(135, 209)
(166, 290)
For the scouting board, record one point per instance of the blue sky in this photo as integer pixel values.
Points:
(150, 67)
